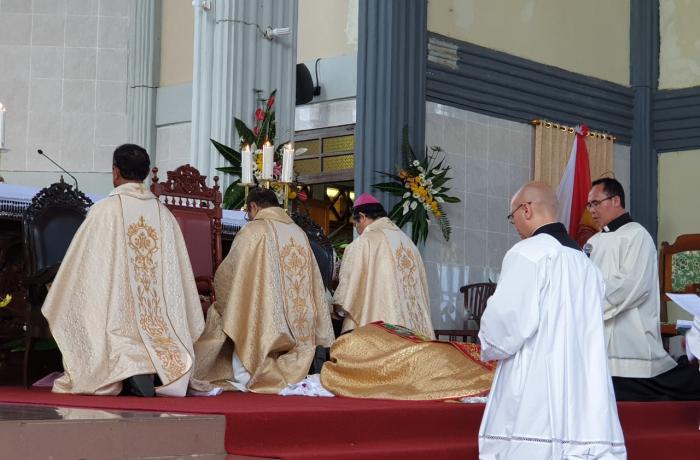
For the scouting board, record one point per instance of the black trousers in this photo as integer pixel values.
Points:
(682, 383)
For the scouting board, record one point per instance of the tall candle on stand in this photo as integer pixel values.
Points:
(287, 164)
(268, 161)
(2, 125)
(246, 165)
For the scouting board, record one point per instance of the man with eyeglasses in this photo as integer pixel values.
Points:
(625, 252)
(552, 396)
(271, 311)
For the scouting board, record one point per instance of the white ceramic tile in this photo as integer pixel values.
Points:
(111, 64)
(79, 96)
(498, 244)
(497, 173)
(80, 63)
(103, 158)
(114, 8)
(14, 62)
(110, 129)
(15, 29)
(458, 173)
(81, 31)
(476, 175)
(475, 242)
(48, 29)
(497, 211)
(45, 95)
(162, 155)
(113, 32)
(455, 136)
(499, 144)
(475, 215)
(53, 7)
(45, 126)
(14, 95)
(477, 140)
(517, 177)
(81, 7)
(434, 130)
(78, 141)
(15, 6)
(47, 62)
(111, 96)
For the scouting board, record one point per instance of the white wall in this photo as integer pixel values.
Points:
(63, 82)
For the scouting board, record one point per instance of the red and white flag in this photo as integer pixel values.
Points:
(575, 185)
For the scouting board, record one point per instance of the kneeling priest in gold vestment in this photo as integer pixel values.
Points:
(270, 311)
(382, 277)
(124, 305)
(385, 361)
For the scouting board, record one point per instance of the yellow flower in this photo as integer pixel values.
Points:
(5, 301)
(258, 161)
(292, 194)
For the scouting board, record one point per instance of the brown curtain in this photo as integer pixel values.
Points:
(553, 144)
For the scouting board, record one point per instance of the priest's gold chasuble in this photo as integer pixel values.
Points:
(385, 361)
(382, 278)
(270, 311)
(124, 301)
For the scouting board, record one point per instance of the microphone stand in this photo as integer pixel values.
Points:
(41, 152)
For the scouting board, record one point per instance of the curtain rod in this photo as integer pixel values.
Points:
(549, 124)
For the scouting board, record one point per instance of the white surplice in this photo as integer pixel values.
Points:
(692, 340)
(552, 396)
(628, 260)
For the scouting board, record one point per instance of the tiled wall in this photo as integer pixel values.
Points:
(63, 72)
(490, 158)
(172, 146)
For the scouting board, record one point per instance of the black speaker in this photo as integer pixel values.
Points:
(305, 85)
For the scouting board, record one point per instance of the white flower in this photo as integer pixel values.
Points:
(406, 185)
(406, 205)
(439, 199)
(428, 182)
(436, 171)
(415, 195)
(420, 168)
(421, 177)
(406, 195)
(416, 163)
(425, 205)
(414, 204)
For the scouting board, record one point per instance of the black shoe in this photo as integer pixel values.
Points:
(139, 385)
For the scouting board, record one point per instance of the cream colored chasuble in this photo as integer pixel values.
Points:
(382, 278)
(270, 307)
(124, 301)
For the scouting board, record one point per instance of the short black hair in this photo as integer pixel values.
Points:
(133, 161)
(263, 197)
(371, 210)
(611, 187)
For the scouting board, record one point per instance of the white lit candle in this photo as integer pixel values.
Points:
(268, 161)
(287, 164)
(246, 165)
(2, 125)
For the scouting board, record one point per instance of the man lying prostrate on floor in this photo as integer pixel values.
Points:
(382, 277)
(124, 308)
(386, 361)
(271, 311)
(552, 396)
(625, 252)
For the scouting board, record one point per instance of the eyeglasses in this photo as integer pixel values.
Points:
(510, 216)
(596, 203)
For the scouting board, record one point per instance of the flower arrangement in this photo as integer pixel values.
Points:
(421, 186)
(5, 301)
(264, 130)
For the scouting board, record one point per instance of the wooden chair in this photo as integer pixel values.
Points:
(475, 297)
(197, 209)
(48, 227)
(679, 268)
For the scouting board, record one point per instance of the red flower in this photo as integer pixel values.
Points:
(259, 114)
(270, 102)
(302, 195)
(256, 131)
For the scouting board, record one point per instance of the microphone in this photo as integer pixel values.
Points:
(587, 249)
(41, 152)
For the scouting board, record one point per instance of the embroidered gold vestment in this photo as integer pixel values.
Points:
(385, 361)
(124, 301)
(270, 308)
(382, 278)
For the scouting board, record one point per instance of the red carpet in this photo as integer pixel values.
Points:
(343, 428)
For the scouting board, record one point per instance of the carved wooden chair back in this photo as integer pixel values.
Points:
(197, 209)
(48, 226)
(475, 297)
(679, 268)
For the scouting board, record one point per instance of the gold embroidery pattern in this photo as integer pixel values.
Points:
(143, 241)
(408, 267)
(296, 261)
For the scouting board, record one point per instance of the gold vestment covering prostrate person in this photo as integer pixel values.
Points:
(124, 301)
(382, 278)
(384, 361)
(270, 308)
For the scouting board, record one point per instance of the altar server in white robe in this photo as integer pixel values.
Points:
(552, 397)
(625, 252)
(124, 308)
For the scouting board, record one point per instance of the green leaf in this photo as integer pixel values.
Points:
(228, 153)
(245, 133)
(235, 170)
(234, 196)
(451, 199)
(392, 187)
